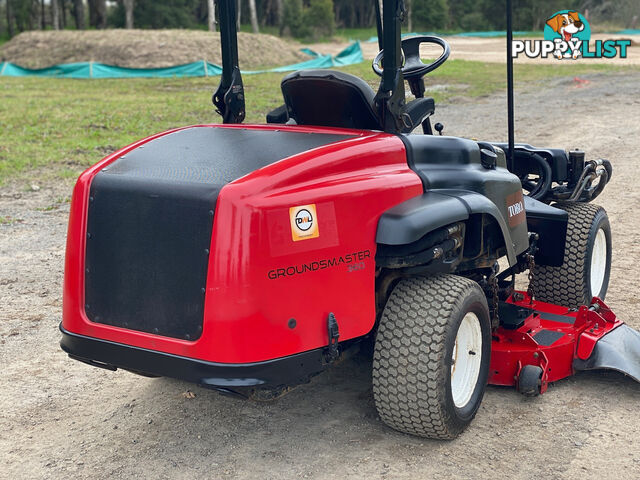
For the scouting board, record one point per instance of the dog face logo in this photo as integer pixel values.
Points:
(567, 29)
(567, 35)
(566, 24)
(304, 222)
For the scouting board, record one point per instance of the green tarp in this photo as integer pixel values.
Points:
(350, 55)
(100, 70)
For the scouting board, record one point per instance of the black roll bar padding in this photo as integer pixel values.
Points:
(229, 96)
(391, 44)
(390, 99)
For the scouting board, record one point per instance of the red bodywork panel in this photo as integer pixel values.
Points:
(259, 277)
(577, 333)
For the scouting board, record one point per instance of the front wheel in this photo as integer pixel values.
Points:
(432, 353)
(585, 271)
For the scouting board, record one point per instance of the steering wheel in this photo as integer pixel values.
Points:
(413, 66)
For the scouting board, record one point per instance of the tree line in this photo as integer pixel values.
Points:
(298, 18)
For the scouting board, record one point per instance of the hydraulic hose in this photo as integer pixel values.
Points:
(594, 169)
(538, 190)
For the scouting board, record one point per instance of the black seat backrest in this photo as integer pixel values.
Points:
(331, 99)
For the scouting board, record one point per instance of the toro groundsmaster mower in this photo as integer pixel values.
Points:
(247, 258)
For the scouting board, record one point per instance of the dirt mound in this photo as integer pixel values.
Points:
(144, 48)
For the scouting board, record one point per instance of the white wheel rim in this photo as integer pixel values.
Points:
(466, 360)
(598, 262)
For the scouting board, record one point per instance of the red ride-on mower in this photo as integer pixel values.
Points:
(249, 258)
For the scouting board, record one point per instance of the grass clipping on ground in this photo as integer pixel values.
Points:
(144, 48)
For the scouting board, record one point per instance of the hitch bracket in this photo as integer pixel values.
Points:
(333, 330)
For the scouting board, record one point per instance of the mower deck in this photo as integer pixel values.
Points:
(556, 339)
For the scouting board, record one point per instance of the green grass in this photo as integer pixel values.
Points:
(466, 78)
(361, 34)
(48, 208)
(9, 220)
(58, 127)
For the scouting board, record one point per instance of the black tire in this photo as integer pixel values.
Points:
(412, 360)
(570, 284)
(530, 380)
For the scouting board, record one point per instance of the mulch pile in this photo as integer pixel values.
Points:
(144, 48)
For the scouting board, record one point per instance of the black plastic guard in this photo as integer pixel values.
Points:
(550, 224)
(618, 350)
(150, 220)
(290, 370)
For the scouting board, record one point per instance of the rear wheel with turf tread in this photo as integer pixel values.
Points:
(432, 353)
(587, 260)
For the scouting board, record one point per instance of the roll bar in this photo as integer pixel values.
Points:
(390, 99)
(229, 97)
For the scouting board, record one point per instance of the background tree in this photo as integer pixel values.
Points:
(22, 15)
(129, 6)
(97, 13)
(621, 12)
(9, 13)
(211, 17)
(55, 15)
(78, 14)
(430, 14)
(253, 12)
(307, 18)
(354, 13)
(319, 17)
(165, 14)
(292, 18)
(63, 14)
(280, 7)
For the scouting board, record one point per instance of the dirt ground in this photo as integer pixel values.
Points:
(60, 418)
(144, 48)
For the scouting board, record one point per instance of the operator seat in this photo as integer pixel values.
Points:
(335, 99)
(330, 99)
